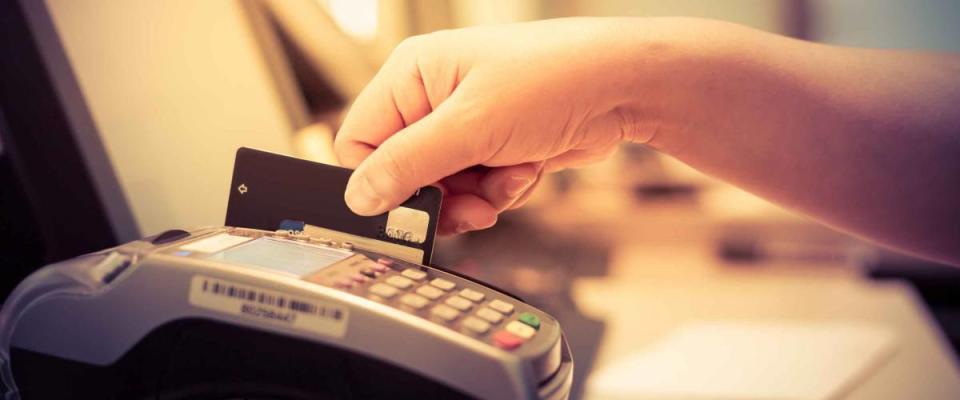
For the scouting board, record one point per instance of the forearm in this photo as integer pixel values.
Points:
(865, 140)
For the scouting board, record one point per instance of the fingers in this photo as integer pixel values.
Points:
(529, 192)
(502, 186)
(418, 155)
(578, 158)
(465, 212)
(394, 99)
(474, 197)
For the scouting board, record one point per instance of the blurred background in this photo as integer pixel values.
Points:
(141, 106)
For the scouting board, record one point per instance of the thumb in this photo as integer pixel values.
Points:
(418, 155)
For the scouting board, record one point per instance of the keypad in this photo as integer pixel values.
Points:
(429, 292)
(385, 291)
(399, 282)
(443, 284)
(472, 295)
(459, 303)
(490, 315)
(468, 310)
(501, 306)
(414, 274)
(416, 290)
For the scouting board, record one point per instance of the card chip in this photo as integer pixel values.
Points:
(407, 224)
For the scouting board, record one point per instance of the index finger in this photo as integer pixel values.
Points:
(390, 102)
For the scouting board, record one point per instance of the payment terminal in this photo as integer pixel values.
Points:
(240, 313)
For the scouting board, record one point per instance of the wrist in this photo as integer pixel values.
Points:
(675, 75)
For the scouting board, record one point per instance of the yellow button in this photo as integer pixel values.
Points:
(459, 303)
(443, 284)
(489, 315)
(501, 306)
(429, 292)
(472, 295)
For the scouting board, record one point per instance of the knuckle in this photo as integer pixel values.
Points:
(410, 45)
(405, 54)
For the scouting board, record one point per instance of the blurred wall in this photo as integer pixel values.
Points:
(917, 24)
(762, 14)
(174, 86)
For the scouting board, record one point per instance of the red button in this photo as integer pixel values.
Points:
(359, 278)
(379, 267)
(506, 340)
(385, 261)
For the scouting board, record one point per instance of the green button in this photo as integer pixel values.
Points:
(530, 319)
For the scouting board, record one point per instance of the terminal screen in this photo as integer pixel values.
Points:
(282, 256)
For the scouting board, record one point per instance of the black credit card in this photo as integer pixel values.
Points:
(272, 191)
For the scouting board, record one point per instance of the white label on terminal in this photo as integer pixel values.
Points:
(268, 306)
(215, 243)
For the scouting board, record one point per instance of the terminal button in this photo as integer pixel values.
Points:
(414, 274)
(429, 292)
(400, 282)
(520, 329)
(472, 295)
(506, 340)
(385, 262)
(501, 306)
(445, 313)
(379, 268)
(384, 291)
(459, 303)
(443, 284)
(476, 325)
(530, 319)
(491, 316)
(413, 300)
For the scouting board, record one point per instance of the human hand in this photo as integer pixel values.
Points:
(483, 112)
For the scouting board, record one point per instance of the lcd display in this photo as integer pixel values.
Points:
(282, 256)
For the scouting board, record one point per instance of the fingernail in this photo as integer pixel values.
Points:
(464, 227)
(361, 198)
(516, 185)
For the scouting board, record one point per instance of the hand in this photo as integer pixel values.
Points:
(483, 112)
(864, 139)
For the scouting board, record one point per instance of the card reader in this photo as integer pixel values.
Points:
(232, 312)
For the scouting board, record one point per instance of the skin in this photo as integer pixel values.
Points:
(867, 141)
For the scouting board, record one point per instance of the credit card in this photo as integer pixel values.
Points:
(271, 191)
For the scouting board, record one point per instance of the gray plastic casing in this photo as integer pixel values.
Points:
(66, 310)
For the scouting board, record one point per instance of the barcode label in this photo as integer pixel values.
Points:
(262, 304)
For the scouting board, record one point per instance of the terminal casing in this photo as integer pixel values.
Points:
(200, 316)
